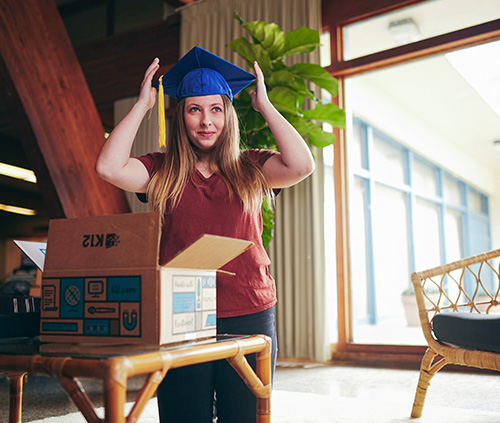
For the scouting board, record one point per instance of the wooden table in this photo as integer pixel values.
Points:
(115, 364)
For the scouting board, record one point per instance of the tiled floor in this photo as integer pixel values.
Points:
(467, 390)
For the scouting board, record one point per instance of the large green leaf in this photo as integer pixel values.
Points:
(263, 58)
(320, 138)
(313, 132)
(284, 99)
(262, 138)
(242, 104)
(329, 113)
(301, 40)
(269, 35)
(284, 78)
(253, 121)
(317, 75)
(299, 123)
(268, 223)
(244, 49)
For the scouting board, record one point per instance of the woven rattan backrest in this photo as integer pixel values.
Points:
(470, 285)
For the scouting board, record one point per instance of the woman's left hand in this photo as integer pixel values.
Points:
(259, 97)
(294, 162)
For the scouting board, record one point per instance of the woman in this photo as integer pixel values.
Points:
(205, 184)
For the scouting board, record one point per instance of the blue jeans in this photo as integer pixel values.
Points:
(186, 395)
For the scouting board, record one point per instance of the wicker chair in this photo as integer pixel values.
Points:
(469, 285)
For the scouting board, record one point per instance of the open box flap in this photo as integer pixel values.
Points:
(104, 242)
(34, 250)
(209, 252)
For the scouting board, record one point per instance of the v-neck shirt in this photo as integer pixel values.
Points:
(205, 207)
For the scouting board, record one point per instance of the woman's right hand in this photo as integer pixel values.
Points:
(147, 95)
(114, 163)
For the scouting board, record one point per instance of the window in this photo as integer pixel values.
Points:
(406, 214)
(438, 111)
(414, 23)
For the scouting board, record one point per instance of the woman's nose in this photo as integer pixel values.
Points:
(205, 119)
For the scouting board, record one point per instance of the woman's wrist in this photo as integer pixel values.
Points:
(141, 106)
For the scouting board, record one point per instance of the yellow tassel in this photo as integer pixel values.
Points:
(161, 114)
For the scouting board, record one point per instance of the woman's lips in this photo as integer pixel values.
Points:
(206, 134)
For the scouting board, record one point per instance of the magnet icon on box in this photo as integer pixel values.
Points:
(130, 320)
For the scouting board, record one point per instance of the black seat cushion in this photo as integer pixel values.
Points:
(468, 330)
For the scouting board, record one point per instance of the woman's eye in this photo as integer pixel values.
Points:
(217, 109)
(193, 109)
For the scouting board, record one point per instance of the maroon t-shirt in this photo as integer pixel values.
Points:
(205, 207)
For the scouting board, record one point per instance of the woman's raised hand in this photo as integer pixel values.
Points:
(147, 95)
(259, 97)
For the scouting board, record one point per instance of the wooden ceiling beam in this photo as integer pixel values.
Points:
(113, 67)
(57, 106)
(29, 143)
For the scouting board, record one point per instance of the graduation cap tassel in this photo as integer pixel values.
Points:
(161, 114)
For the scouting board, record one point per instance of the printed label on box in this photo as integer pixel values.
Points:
(101, 306)
(184, 322)
(193, 301)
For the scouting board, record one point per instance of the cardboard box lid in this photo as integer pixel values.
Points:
(104, 242)
(209, 252)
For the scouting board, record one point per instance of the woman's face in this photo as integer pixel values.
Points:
(204, 118)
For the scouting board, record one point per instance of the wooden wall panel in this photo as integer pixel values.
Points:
(57, 103)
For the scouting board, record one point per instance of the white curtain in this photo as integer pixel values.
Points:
(297, 252)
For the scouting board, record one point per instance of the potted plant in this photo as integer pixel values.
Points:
(287, 88)
(410, 303)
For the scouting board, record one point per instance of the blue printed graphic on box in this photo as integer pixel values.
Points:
(96, 327)
(59, 326)
(183, 302)
(208, 282)
(124, 288)
(72, 297)
(211, 320)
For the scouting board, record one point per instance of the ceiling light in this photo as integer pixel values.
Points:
(17, 210)
(404, 31)
(17, 172)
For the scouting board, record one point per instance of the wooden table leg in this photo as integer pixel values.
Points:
(263, 371)
(258, 382)
(115, 390)
(77, 393)
(16, 397)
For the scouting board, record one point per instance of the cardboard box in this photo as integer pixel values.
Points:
(102, 284)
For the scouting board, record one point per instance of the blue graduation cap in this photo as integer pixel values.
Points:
(200, 73)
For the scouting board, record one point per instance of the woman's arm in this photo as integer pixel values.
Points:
(295, 161)
(114, 163)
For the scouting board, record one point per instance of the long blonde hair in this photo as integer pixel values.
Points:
(242, 176)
